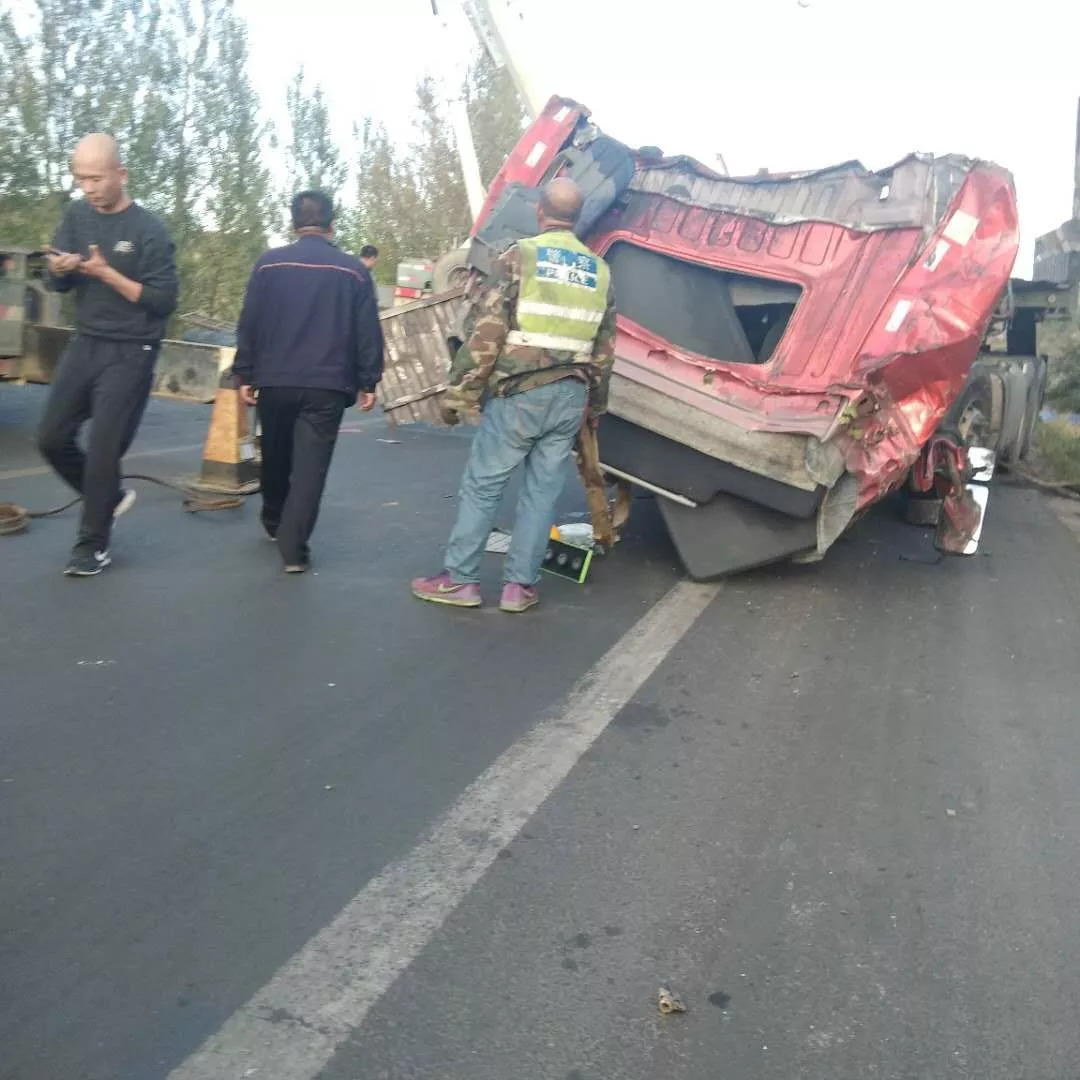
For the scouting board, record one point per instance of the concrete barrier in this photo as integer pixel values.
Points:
(185, 370)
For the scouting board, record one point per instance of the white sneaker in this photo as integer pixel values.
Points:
(127, 501)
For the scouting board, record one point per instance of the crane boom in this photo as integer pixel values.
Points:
(490, 23)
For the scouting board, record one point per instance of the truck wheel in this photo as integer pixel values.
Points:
(452, 270)
(973, 415)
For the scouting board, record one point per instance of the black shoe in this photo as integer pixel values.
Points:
(299, 565)
(86, 562)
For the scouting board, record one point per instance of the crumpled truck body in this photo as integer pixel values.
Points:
(788, 344)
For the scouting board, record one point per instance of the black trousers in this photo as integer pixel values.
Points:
(299, 430)
(107, 382)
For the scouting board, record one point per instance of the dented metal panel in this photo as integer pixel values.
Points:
(889, 321)
(913, 193)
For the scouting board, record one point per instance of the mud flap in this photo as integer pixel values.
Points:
(963, 508)
(729, 534)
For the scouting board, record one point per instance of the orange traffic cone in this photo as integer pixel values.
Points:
(230, 461)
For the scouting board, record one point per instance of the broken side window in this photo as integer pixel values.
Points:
(723, 316)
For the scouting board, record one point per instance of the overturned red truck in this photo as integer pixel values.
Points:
(794, 348)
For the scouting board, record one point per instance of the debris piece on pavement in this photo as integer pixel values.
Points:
(669, 1002)
(498, 543)
(577, 533)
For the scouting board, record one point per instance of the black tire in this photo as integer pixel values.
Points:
(969, 420)
(452, 270)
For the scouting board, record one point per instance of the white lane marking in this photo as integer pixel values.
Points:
(41, 470)
(291, 1028)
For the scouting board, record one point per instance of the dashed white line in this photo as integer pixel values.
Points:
(291, 1028)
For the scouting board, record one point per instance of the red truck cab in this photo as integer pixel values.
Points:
(789, 345)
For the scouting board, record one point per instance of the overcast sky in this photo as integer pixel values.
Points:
(786, 84)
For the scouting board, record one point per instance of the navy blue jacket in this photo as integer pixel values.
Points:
(310, 319)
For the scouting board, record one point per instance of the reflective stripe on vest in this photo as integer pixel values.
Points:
(563, 294)
(548, 341)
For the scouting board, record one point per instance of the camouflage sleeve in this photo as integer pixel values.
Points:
(603, 359)
(490, 318)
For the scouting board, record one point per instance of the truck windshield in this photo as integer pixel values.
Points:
(715, 313)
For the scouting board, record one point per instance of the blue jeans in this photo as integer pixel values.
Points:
(537, 427)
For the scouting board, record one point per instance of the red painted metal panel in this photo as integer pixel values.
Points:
(535, 151)
(899, 274)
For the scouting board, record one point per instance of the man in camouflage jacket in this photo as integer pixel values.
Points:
(541, 343)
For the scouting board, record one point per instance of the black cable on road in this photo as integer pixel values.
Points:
(16, 519)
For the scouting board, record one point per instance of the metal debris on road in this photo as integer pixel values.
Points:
(669, 1002)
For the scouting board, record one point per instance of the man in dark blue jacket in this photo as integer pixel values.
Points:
(309, 344)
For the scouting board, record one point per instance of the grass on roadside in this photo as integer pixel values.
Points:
(1057, 443)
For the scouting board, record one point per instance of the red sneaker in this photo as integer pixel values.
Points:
(517, 598)
(441, 590)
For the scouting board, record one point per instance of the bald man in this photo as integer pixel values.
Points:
(541, 348)
(118, 260)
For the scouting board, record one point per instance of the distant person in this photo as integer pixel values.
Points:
(369, 256)
(542, 345)
(119, 260)
(308, 345)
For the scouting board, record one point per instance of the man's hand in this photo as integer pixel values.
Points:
(248, 395)
(62, 263)
(95, 266)
(366, 401)
(458, 404)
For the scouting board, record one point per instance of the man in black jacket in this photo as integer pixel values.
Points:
(308, 343)
(119, 260)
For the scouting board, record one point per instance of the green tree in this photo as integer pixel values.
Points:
(313, 158)
(239, 209)
(170, 80)
(443, 203)
(388, 210)
(77, 68)
(496, 116)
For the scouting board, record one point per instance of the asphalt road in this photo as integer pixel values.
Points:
(832, 807)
